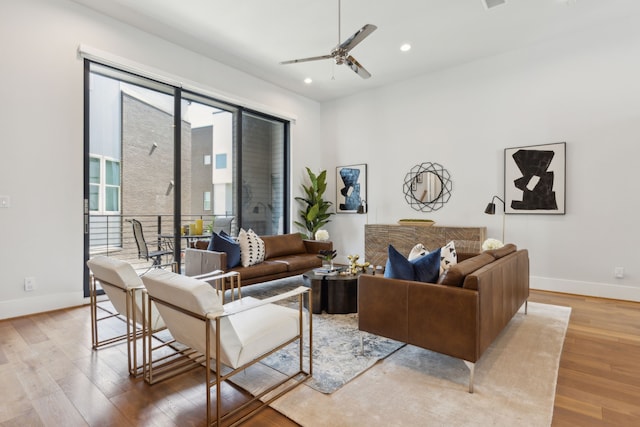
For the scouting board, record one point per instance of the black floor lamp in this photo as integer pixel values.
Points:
(491, 210)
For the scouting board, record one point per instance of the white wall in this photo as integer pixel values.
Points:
(583, 89)
(41, 154)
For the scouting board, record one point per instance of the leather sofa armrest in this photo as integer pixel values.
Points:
(315, 246)
(199, 261)
(382, 306)
(444, 319)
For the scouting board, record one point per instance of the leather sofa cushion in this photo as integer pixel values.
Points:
(265, 268)
(455, 275)
(500, 252)
(299, 262)
(283, 244)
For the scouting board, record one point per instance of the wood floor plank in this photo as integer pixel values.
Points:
(29, 418)
(91, 403)
(579, 406)
(55, 409)
(14, 402)
(29, 330)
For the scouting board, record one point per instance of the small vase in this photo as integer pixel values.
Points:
(327, 264)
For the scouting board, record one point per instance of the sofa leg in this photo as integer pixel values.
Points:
(526, 306)
(361, 345)
(472, 368)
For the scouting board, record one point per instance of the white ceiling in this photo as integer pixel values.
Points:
(255, 35)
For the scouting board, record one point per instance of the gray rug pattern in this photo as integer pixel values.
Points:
(337, 356)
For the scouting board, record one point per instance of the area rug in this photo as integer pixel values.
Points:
(337, 355)
(514, 383)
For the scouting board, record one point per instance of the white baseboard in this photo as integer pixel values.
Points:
(602, 290)
(40, 304)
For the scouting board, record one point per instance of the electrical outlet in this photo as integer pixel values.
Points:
(29, 284)
(619, 272)
(5, 202)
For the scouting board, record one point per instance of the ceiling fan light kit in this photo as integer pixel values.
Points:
(340, 54)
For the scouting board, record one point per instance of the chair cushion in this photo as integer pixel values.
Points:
(224, 243)
(186, 292)
(114, 271)
(250, 334)
(283, 244)
(121, 275)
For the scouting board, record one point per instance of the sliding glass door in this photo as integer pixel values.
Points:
(176, 161)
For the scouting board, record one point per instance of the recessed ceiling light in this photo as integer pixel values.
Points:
(308, 80)
(405, 47)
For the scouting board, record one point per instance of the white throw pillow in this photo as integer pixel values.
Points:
(448, 256)
(417, 251)
(251, 248)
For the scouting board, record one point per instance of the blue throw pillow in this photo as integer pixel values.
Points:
(423, 269)
(224, 243)
(398, 267)
(427, 267)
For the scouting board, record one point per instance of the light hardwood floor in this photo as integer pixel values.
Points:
(50, 376)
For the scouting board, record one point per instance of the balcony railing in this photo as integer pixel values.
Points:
(112, 235)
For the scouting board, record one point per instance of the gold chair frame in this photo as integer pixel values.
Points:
(219, 279)
(187, 359)
(133, 332)
(129, 318)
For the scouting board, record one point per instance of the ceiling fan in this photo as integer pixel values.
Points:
(340, 53)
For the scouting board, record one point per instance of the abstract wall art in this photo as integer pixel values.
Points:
(351, 188)
(535, 179)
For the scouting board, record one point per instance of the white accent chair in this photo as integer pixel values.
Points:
(123, 287)
(229, 337)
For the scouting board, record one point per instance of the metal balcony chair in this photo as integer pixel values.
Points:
(143, 248)
(226, 339)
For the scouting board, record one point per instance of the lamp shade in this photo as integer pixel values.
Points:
(490, 209)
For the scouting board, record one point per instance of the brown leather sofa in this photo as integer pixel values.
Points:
(459, 317)
(285, 255)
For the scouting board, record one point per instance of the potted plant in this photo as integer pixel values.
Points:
(315, 213)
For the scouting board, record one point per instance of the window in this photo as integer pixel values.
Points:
(206, 205)
(104, 185)
(221, 161)
(112, 186)
(207, 159)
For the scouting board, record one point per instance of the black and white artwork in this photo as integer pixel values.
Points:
(351, 188)
(534, 179)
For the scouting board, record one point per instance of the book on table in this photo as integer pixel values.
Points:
(327, 270)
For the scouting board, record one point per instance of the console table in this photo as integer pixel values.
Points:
(377, 238)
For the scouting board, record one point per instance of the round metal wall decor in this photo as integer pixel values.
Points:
(427, 187)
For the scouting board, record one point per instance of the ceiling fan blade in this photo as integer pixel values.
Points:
(355, 39)
(313, 58)
(357, 68)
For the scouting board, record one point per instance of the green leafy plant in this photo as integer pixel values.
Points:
(315, 212)
(327, 255)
